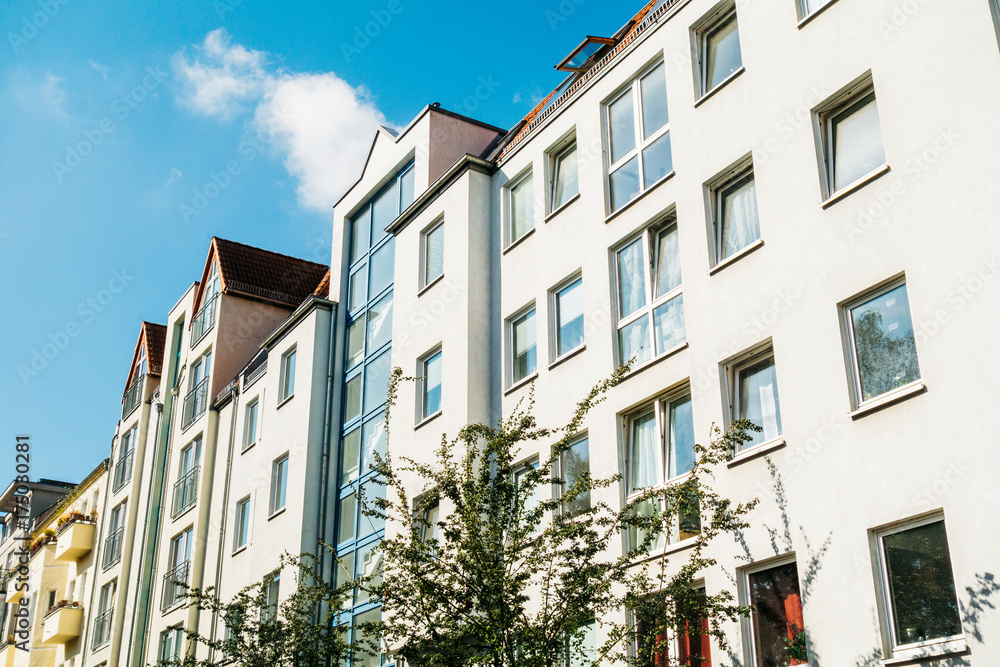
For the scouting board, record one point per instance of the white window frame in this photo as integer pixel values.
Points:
(175, 634)
(560, 469)
(509, 324)
(241, 524)
(286, 392)
(733, 367)
(884, 595)
(554, 315)
(422, 414)
(802, 6)
(555, 159)
(279, 484)
(508, 199)
(532, 463)
(717, 189)
(425, 236)
(745, 598)
(641, 143)
(251, 419)
(703, 30)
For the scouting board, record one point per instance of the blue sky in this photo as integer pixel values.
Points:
(119, 120)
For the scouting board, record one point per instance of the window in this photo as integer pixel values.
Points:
(522, 346)
(170, 644)
(851, 138)
(574, 465)
(719, 56)
(649, 295)
(754, 396)
(775, 630)
(241, 527)
(279, 483)
(273, 588)
(250, 425)
(287, 388)
(196, 401)
(735, 224)
(430, 385)
(123, 467)
(565, 182)
(520, 208)
(581, 646)
(660, 449)
(186, 486)
(638, 137)
(429, 522)
(116, 534)
(534, 497)
(917, 585)
(690, 641)
(568, 313)
(105, 610)
(809, 7)
(882, 343)
(432, 254)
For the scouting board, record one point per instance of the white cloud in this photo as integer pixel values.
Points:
(175, 175)
(319, 124)
(103, 69)
(43, 97)
(52, 93)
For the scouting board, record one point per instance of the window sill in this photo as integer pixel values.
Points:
(276, 513)
(569, 355)
(757, 451)
(639, 197)
(733, 258)
(655, 360)
(193, 505)
(561, 208)
(806, 19)
(889, 398)
(430, 285)
(722, 84)
(284, 401)
(667, 550)
(518, 242)
(520, 383)
(427, 420)
(248, 447)
(855, 186)
(929, 651)
(240, 550)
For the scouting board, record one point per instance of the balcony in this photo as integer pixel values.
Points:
(185, 492)
(8, 649)
(102, 630)
(195, 402)
(175, 585)
(13, 596)
(123, 470)
(133, 396)
(204, 320)
(113, 548)
(62, 623)
(76, 539)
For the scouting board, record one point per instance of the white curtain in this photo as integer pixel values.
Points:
(645, 461)
(631, 278)
(759, 403)
(668, 266)
(740, 224)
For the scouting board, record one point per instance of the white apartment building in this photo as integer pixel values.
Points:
(738, 196)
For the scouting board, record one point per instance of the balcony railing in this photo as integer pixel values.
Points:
(5, 574)
(133, 396)
(195, 402)
(123, 470)
(185, 492)
(204, 320)
(113, 548)
(102, 629)
(175, 585)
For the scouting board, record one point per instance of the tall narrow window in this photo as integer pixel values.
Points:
(250, 425)
(777, 628)
(533, 496)
(105, 611)
(287, 379)
(574, 465)
(650, 300)
(734, 211)
(432, 251)
(638, 137)
(279, 484)
(380, 323)
(241, 526)
(522, 346)
(171, 641)
(520, 208)
(754, 396)
(270, 611)
(852, 137)
(565, 183)
(581, 646)
(430, 385)
(719, 55)
(568, 302)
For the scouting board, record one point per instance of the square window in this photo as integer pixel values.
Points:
(287, 387)
(917, 585)
(851, 137)
(650, 301)
(568, 313)
(718, 43)
(775, 631)
(522, 345)
(882, 342)
(638, 137)
(735, 223)
(430, 385)
(250, 424)
(279, 484)
(432, 254)
(520, 208)
(574, 465)
(565, 182)
(753, 394)
(241, 527)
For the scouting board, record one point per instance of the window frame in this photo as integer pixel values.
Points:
(533, 462)
(707, 27)
(802, 9)
(422, 386)
(279, 485)
(508, 198)
(555, 157)
(250, 423)
(425, 236)
(717, 190)
(555, 324)
(288, 358)
(733, 367)
(175, 634)
(886, 612)
(241, 532)
(561, 469)
(529, 309)
(634, 88)
(745, 595)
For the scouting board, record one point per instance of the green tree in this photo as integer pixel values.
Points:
(479, 571)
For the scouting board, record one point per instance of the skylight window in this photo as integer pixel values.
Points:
(582, 57)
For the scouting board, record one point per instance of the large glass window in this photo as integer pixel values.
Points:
(650, 300)
(777, 628)
(755, 397)
(574, 465)
(852, 138)
(654, 642)
(568, 309)
(522, 346)
(719, 53)
(735, 221)
(520, 208)
(638, 137)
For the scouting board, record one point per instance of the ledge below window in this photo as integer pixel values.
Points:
(935, 652)
(520, 383)
(562, 207)
(430, 284)
(719, 86)
(756, 451)
(655, 360)
(855, 186)
(736, 256)
(569, 355)
(889, 398)
(427, 420)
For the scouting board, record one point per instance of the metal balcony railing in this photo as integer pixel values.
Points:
(102, 629)
(123, 470)
(204, 320)
(195, 402)
(133, 396)
(175, 585)
(113, 548)
(185, 492)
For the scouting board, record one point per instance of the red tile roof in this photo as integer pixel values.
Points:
(153, 337)
(324, 287)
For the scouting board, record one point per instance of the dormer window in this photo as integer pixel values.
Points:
(583, 57)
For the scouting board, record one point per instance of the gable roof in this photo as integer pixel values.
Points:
(260, 274)
(153, 337)
(324, 287)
